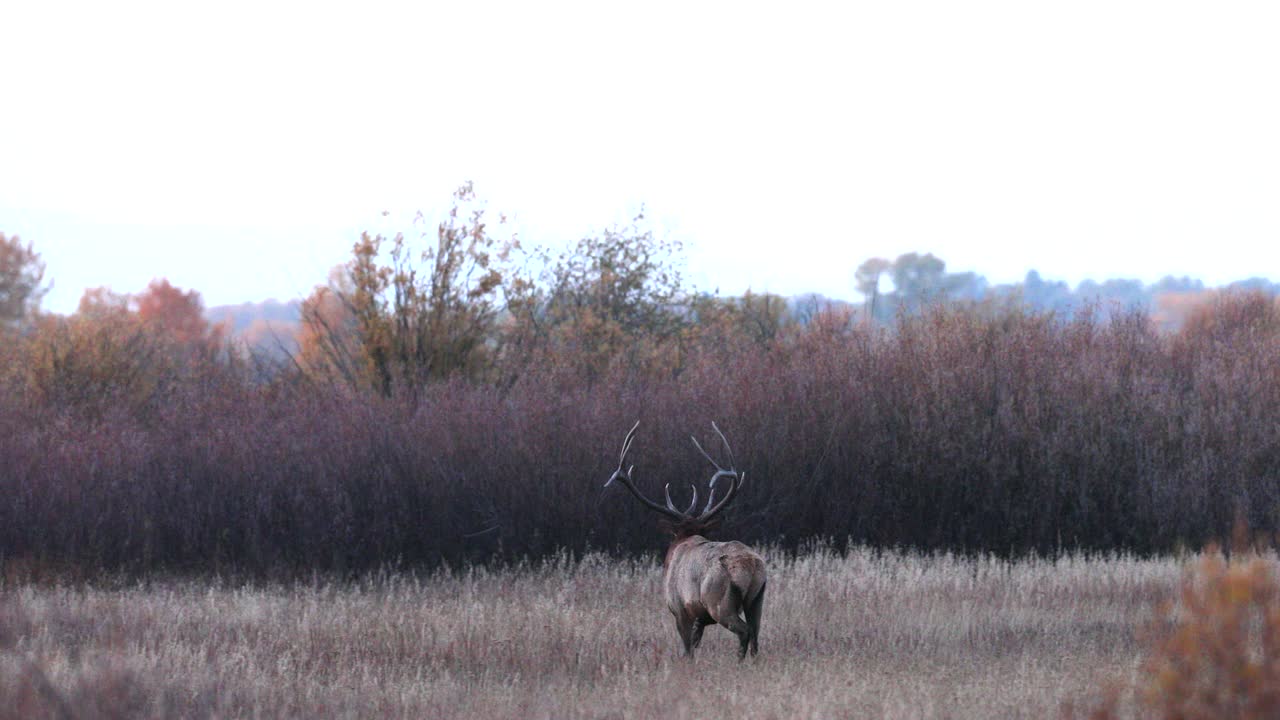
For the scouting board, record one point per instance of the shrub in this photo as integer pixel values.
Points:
(1216, 652)
(967, 429)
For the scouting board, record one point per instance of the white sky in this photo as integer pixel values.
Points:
(238, 149)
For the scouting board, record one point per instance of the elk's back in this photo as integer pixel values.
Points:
(700, 572)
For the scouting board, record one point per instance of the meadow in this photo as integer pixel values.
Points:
(860, 634)
(382, 530)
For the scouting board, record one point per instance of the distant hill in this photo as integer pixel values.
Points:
(269, 327)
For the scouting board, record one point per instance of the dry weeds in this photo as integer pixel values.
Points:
(865, 635)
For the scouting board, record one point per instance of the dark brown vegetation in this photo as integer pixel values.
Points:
(960, 429)
(453, 405)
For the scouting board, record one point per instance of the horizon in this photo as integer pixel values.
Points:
(1129, 140)
(62, 300)
(69, 301)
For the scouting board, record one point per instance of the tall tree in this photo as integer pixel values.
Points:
(866, 280)
(407, 318)
(178, 314)
(131, 349)
(918, 279)
(21, 274)
(619, 294)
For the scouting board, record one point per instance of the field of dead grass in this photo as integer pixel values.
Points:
(863, 635)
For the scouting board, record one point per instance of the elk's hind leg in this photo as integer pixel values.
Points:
(726, 613)
(698, 626)
(753, 620)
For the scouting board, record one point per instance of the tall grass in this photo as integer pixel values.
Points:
(960, 429)
(866, 634)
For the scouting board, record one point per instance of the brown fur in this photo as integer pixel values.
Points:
(709, 583)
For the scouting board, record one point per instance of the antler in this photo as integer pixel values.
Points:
(624, 477)
(735, 481)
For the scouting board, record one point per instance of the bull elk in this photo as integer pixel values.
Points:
(705, 582)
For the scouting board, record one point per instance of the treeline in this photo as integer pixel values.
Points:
(912, 281)
(450, 406)
(886, 288)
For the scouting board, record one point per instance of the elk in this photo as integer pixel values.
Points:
(705, 582)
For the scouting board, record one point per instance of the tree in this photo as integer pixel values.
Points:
(412, 318)
(1171, 284)
(126, 349)
(177, 314)
(329, 343)
(727, 325)
(624, 275)
(1042, 294)
(761, 317)
(102, 302)
(445, 321)
(964, 286)
(866, 280)
(918, 279)
(21, 274)
(615, 296)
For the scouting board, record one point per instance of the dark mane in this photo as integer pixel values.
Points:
(689, 527)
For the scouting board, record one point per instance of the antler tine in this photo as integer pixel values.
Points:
(735, 478)
(727, 449)
(672, 506)
(704, 453)
(626, 443)
(734, 484)
(722, 473)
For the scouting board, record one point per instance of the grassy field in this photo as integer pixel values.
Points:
(864, 635)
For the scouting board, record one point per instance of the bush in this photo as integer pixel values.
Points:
(1216, 652)
(969, 429)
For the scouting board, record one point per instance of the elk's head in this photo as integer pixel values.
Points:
(690, 521)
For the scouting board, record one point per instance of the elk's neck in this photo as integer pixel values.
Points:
(678, 543)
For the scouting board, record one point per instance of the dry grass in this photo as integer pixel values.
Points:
(865, 635)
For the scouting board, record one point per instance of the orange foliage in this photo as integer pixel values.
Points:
(102, 302)
(178, 314)
(1216, 652)
(121, 347)
(1172, 309)
(1232, 313)
(1223, 657)
(328, 339)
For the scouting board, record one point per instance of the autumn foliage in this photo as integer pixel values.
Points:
(1214, 652)
(1222, 658)
(119, 352)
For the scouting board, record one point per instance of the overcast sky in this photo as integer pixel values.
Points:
(238, 149)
